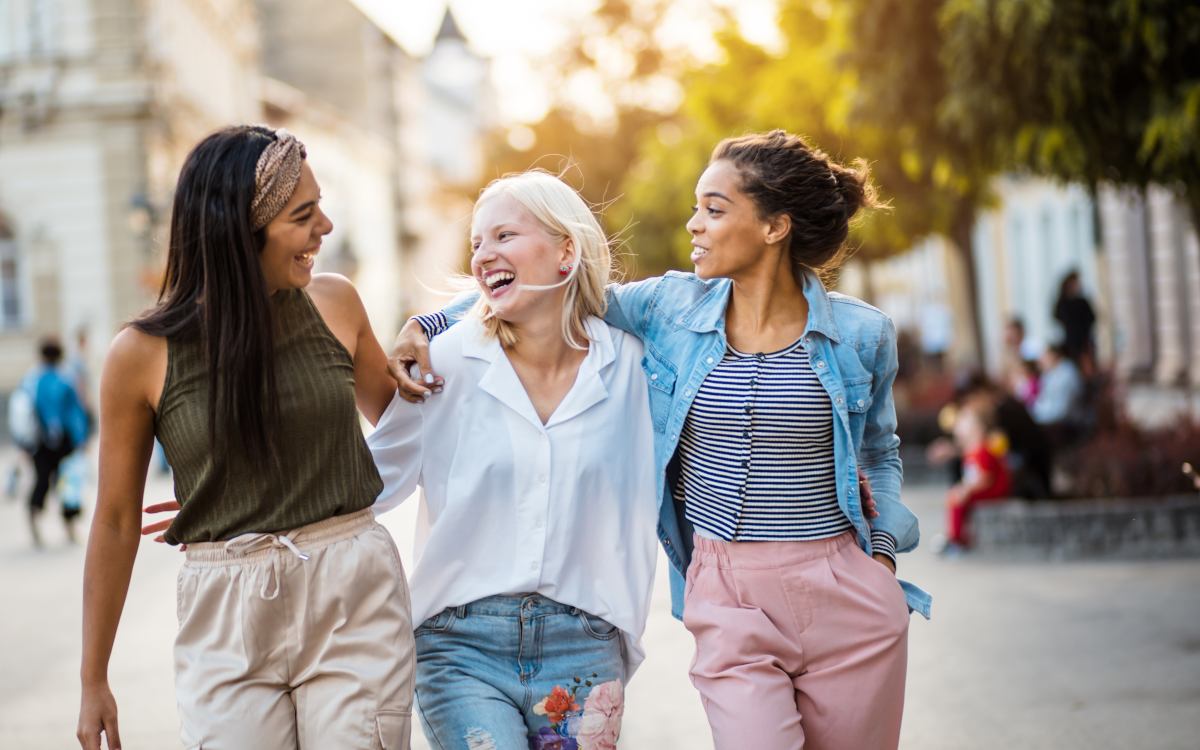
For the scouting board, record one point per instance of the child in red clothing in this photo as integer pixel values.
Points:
(985, 475)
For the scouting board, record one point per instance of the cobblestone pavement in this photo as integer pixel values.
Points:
(1019, 655)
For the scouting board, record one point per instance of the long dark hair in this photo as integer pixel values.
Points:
(214, 289)
(783, 174)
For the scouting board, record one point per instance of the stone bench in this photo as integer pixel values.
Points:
(1067, 529)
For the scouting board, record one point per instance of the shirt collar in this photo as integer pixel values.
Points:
(708, 313)
(501, 381)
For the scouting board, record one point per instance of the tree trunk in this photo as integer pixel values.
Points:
(961, 236)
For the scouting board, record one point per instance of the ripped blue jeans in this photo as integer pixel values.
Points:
(517, 672)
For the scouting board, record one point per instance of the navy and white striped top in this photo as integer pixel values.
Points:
(756, 453)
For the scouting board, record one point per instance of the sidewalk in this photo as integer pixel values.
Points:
(1036, 656)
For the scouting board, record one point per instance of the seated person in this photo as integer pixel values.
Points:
(1059, 401)
(985, 475)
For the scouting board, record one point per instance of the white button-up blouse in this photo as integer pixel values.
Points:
(509, 505)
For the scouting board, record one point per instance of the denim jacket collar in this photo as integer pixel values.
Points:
(708, 314)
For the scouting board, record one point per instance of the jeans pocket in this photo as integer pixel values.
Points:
(597, 627)
(393, 729)
(439, 623)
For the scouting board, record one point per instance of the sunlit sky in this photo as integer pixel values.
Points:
(518, 34)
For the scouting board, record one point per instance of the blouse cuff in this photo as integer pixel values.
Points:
(432, 324)
(882, 543)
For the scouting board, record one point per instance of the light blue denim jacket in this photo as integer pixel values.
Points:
(852, 346)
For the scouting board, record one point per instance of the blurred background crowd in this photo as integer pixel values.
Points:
(1041, 159)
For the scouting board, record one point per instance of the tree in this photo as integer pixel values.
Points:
(808, 89)
(1082, 90)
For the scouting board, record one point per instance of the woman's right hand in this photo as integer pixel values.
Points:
(413, 348)
(98, 713)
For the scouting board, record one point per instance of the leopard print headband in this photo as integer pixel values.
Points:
(275, 177)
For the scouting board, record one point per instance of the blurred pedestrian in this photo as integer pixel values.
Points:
(1075, 314)
(1028, 453)
(1059, 404)
(61, 427)
(294, 623)
(1019, 351)
(985, 474)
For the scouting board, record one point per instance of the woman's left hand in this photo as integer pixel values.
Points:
(886, 562)
(157, 526)
(865, 496)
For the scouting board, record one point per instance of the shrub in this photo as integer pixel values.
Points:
(1127, 461)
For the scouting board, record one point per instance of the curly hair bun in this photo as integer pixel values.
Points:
(783, 174)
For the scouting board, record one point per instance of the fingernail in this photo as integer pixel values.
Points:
(441, 382)
(427, 394)
(437, 390)
(428, 378)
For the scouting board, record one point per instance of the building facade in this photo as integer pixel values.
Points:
(101, 100)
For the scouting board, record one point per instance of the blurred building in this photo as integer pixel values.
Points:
(101, 100)
(1138, 258)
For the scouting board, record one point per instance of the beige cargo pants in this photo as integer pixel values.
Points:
(298, 640)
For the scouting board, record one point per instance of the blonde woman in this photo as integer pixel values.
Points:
(535, 564)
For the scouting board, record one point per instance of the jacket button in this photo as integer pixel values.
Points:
(820, 364)
(710, 360)
(839, 399)
(687, 393)
(654, 376)
(860, 403)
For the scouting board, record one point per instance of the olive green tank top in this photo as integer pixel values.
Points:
(324, 467)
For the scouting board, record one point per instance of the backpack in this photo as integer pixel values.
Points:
(23, 422)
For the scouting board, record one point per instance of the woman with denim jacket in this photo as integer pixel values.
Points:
(768, 395)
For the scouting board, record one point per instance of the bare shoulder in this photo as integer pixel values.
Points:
(333, 288)
(337, 300)
(135, 366)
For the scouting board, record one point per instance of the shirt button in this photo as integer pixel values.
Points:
(807, 340)
(710, 360)
(542, 480)
(746, 433)
(747, 409)
(745, 464)
(672, 436)
(820, 364)
(538, 524)
(687, 393)
(839, 399)
(533, 566)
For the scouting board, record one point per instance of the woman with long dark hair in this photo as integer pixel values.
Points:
(768, 395)
(293, 609)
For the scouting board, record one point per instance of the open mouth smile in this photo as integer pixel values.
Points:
(307, 257)
(499, 280)
(698, 252)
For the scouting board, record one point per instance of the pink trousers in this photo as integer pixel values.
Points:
(798, 644)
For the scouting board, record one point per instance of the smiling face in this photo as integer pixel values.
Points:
(728, 236)
(294, 237)
(511, 251)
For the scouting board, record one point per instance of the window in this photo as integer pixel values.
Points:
(10, 279)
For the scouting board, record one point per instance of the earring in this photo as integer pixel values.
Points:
(564, 270)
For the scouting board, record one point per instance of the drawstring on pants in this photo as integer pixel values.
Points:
(247, 543)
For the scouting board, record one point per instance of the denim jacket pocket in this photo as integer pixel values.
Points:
(857, 395)
(660, 377)
(439, 623)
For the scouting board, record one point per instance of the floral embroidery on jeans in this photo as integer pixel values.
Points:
(594, 726)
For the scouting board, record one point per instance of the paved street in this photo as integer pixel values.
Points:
(1018, 655)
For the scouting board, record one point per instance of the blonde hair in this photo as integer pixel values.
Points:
(563, 215)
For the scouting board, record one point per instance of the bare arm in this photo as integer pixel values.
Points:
(127, 387)
(339, 304)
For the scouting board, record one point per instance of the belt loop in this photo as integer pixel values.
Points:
(575, 611)
(461, 612)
